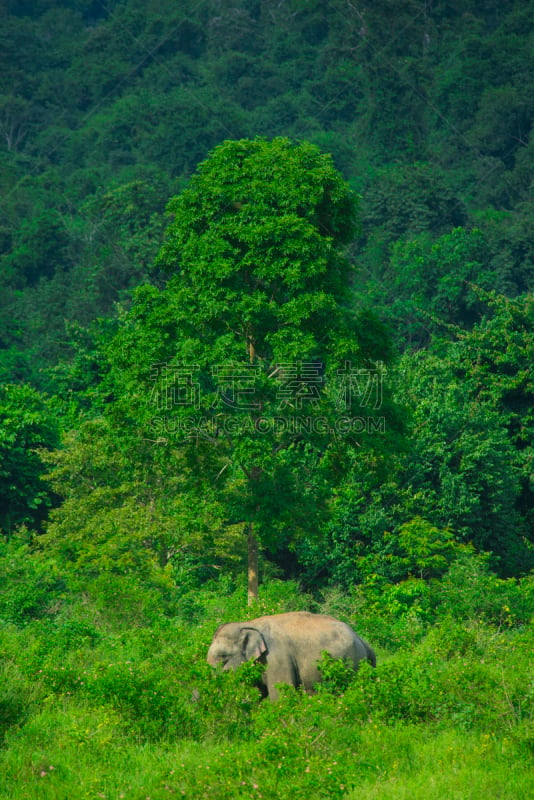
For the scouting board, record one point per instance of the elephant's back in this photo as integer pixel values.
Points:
(303, 626)
(301, 620)
(305, 632)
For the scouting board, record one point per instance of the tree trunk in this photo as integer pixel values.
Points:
(252, 566)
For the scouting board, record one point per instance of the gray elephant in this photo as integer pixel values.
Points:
(290, 645)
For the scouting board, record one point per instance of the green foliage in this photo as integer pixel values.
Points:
(409, 200)
(428, 549)
(38, 250)
(433, 283)
(399, 614)
(236, 363)
(494, 363)
(459, 480)
(123, 515)
(336, 675)
(30, 587)
(27, 428)
(470, 591)
(104, 114)
(468, 479)
(128, 221)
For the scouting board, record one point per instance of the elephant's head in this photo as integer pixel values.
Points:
(233, 644)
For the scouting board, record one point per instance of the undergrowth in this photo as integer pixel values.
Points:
(95, 706)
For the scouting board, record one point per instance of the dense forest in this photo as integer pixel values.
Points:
(266, 307)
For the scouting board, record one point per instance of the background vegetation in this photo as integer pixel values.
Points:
(409, 252)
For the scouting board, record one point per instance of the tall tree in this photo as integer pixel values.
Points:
(248, 359)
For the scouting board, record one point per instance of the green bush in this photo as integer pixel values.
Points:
(336, 674)
(398, 615)
(470, 591)
(31, 588)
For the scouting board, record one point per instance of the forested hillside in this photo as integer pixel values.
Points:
(106, 108)
(266, 303)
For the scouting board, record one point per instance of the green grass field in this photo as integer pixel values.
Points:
(101, 702)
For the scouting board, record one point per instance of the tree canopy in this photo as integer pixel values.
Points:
(247, 352)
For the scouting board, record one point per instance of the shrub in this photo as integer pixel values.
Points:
(31, 588)
(470, 591)
(336, 674)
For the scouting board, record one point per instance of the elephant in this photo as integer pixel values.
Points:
(290, 645)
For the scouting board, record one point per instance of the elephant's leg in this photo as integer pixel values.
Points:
(281, 671)
(309, 676)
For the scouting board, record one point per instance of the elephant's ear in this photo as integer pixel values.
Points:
(253, 643)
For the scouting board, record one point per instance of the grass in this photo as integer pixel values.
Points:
(95, 706)
(76, 753)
